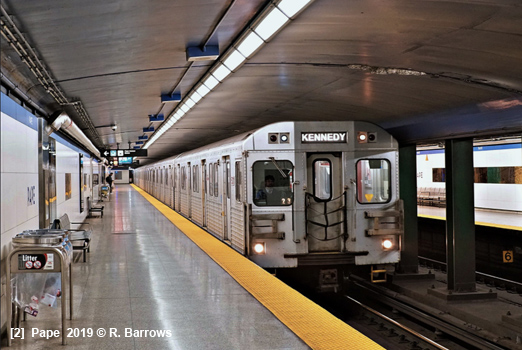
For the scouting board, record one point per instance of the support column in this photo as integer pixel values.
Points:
(408, 192)
(460, 215)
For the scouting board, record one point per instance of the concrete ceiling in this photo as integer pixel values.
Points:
(423, 70)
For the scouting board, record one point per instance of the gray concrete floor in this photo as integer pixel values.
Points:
(143, 274)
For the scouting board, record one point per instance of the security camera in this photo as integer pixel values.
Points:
(114, 127)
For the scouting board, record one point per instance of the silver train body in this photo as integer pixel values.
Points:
(337, 193)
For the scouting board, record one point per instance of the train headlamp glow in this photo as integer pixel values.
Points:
(259, 248)
(362, 137)
(284, 138)
(387, 244)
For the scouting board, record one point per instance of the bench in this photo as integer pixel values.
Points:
(91, 209)
(431, 196)
(80, 239)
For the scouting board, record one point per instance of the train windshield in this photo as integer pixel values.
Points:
(373, 181)
(273, 183)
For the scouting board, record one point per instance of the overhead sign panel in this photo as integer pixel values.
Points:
(125, 153)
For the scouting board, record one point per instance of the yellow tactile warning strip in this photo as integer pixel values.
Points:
(506, 227)
(310, 322)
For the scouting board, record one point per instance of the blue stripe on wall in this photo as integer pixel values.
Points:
(478, 148)
(497, 147)
(17, 112)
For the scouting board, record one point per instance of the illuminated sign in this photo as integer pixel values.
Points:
(324, 137)
(125, 160)
(125, 153)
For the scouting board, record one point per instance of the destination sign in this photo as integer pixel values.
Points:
(324, 137)
(125, 153)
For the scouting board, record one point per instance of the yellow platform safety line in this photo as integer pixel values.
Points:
(314, 325)
(488, 224)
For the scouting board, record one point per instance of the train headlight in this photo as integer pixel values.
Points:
(362, 137)
(387, 244)
(260, 248)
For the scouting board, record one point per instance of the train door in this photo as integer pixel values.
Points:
(204, 192)
(226, 197)
(325, 202)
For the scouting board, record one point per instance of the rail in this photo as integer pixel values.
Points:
(482, 278)
(417, 312)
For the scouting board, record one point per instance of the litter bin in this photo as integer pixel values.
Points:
(37, 252)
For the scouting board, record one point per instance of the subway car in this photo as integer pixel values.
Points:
(317, 196)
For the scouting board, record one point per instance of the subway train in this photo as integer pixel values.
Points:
(498, 174)
(322, 196)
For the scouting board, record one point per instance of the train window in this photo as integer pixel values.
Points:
(183, 178)
(272, 181)
(216, 180)
(204, 175)
(238, 181)
(227, 178)
(195, 178)
(373, 181)
(323, 179)
(211, 180)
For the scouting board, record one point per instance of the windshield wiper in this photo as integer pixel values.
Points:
(278, 168)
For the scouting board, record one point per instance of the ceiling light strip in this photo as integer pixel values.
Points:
(270, 21)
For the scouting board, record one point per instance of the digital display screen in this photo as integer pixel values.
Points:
(125, 160)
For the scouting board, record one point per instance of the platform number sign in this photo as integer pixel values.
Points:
(507, 256)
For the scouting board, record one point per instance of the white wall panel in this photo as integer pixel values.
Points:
(500, 158)
(490, 196)
(19, 172)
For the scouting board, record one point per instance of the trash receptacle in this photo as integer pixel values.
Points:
(39, 252)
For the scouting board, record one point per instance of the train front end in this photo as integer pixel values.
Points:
(325, 200)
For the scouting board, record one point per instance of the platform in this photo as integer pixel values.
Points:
(144, 274)
(483, 217)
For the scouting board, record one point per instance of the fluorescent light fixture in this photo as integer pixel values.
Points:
(210, 82)
(291, 7)
(195, 97)
(271, 24)
(202, 90)
(271, 19)
(221, 72)
(234, 60)
(190, 103)
(250, 44)
(184, 108)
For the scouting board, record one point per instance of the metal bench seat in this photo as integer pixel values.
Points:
(80, 238)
